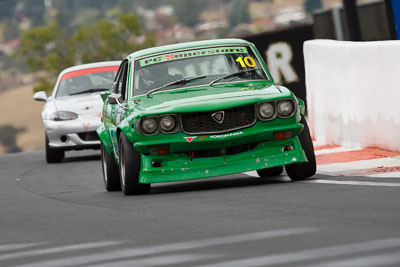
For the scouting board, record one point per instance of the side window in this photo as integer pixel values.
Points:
(119, 78)
(123, 80)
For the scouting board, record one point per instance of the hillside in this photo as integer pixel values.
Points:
(20, 115)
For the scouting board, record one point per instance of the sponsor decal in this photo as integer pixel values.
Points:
(203, 137)
(190, 139)
(85, 125)
(99, 115)
(194, 53)
(225, 135)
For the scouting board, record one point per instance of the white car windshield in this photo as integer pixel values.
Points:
(86, 81)
(196, 67)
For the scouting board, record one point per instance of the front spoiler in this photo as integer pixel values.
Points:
(179, 167)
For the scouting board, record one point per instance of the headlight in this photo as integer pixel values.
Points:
(149, 125)
(266, 110)
(167, 123)
(284, 108)
(63, 116)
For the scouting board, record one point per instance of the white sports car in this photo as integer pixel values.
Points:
(73, 112)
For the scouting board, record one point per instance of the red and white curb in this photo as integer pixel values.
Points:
(354, 166)
(370, 162)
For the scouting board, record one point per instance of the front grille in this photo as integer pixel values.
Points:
(89, 136)
(202, 122)
(210, 153)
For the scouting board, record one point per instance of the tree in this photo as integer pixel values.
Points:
(46, 48)
(310, 5)
(10, 30)
(107, 40)
(187, 12)
(239, 13)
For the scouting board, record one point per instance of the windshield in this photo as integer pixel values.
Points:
(159, 72)
(86, 81)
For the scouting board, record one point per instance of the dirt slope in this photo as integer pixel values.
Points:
(22, 113)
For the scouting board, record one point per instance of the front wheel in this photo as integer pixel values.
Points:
(52, 155)
(129, 169)
(303, 170)
(110, 171)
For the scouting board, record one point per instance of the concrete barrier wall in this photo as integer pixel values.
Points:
(353, 92)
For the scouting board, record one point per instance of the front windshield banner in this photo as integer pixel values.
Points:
(193, 53)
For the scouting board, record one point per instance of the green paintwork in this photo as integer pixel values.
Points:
(177, 165)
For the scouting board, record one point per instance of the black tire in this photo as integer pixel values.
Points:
(52, 155)
(274, 171)
(129, 169)
(303, 170)
(111, 178)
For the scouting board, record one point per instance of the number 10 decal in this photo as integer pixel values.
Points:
(247, 61)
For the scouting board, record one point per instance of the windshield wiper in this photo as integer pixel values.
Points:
(93, 90)
(180, 81)
(231, 75)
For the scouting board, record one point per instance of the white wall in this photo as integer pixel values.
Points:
(353, 92)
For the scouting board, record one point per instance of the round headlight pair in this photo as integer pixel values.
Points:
(284, 108)
(149, 125)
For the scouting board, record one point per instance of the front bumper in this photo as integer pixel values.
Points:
(65, 135)
(265, 152)
(179, 166)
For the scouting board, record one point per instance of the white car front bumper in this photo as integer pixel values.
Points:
(74, 134)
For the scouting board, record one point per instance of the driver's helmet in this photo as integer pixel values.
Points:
(155, 76)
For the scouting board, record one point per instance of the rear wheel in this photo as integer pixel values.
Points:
(274, 171)
(303, 170)
(52, 155)
(110, 171)
(129, 169)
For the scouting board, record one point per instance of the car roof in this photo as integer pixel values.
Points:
(91, 65)
(181, 46)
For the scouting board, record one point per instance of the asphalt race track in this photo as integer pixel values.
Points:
(60, 215)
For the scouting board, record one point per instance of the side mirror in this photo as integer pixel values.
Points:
(104, 95)
(113, 99)
(40, 96)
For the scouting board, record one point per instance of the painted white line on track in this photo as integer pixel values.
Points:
(94, 257)
(367, 261)
(385, 175)
(321, 181)
(40, 252)
(160, 260)
(16, 246)
(357, 165)
(335, 150)
(312, 254)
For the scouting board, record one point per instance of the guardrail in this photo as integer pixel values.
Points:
(353, 92)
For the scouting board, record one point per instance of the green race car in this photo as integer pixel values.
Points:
(196, 110)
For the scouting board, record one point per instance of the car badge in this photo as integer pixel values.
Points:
(190, 139)
(218, 117)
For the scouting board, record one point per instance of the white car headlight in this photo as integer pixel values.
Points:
(148, 125)
(266, 110)
(284, 108)
(63, 116)
(167, 123)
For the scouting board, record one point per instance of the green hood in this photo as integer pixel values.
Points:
(205, 98)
